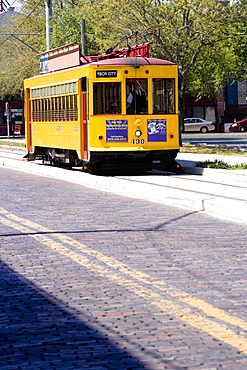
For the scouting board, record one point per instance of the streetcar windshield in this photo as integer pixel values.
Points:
(163, 95)
(107, 98)
(137, 96)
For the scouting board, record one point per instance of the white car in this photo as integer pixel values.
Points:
(198, 124)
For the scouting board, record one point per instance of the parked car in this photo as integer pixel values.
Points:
(240, 126)
(198, 124)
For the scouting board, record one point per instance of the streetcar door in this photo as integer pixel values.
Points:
(28, 117)
(84, 122)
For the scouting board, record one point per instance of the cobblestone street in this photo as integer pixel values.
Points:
(93, 280)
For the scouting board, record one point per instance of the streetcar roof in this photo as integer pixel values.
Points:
(120, 61)
(132, 61)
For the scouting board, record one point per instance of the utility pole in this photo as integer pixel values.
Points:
(83, 37)
(48, 8)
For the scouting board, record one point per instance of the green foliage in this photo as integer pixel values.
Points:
(205, 38)
(197, 35)
(221, 165)
(208, 149)
(17, 62)
(211, 71)
(17, 57)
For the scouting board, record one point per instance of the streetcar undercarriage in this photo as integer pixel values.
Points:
(132, 161)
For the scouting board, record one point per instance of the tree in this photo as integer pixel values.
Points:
(202, 37)
(18, 52)
(197, 35)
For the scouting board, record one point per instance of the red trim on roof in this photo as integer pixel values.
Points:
(133, 61)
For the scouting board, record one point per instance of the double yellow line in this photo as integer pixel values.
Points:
(143, 285)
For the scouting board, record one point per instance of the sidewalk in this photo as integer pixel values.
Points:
(189, 161)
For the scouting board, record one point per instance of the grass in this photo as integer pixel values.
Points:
(11, 143)
(205, 149)
(222, 165)
(217, 164)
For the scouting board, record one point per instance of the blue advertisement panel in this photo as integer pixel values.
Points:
(44, 64)
(156, 130)
(116, 131)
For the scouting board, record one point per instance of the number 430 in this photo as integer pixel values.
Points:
(138, 141)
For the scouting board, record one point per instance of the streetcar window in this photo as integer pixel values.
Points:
(61, 108)
(137, 96)
(106, 95)
(163, 95)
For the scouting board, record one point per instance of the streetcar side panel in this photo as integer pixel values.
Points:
(57, 106)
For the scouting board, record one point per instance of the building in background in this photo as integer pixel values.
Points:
(230, 105)
(208, 109)
(236, 101)
(11, 106)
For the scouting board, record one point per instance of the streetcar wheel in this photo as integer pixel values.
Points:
(96, 168)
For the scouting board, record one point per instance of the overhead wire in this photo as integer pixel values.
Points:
(32, 11)
(3, 15)
(3, 5)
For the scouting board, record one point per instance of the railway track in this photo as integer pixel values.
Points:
(225, 198)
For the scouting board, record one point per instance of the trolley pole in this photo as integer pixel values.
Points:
(48, 9)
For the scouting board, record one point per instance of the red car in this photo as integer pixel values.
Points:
(240, 126)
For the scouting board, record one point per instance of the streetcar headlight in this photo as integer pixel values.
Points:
(138, 133)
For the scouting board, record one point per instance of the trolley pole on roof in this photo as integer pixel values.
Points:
(48, 8)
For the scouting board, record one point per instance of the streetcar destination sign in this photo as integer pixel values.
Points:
(105, 74)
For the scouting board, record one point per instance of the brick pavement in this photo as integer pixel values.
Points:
(92, 280)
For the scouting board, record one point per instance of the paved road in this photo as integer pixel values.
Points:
(98, 281)
(231, 139)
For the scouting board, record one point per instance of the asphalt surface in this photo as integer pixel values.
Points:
(230, 140)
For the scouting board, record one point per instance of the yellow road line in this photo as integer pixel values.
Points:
(219, 331)
(143, 277)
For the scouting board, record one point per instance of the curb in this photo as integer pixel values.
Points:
(222, 175)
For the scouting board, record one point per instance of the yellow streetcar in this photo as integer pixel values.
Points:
(116, 111)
